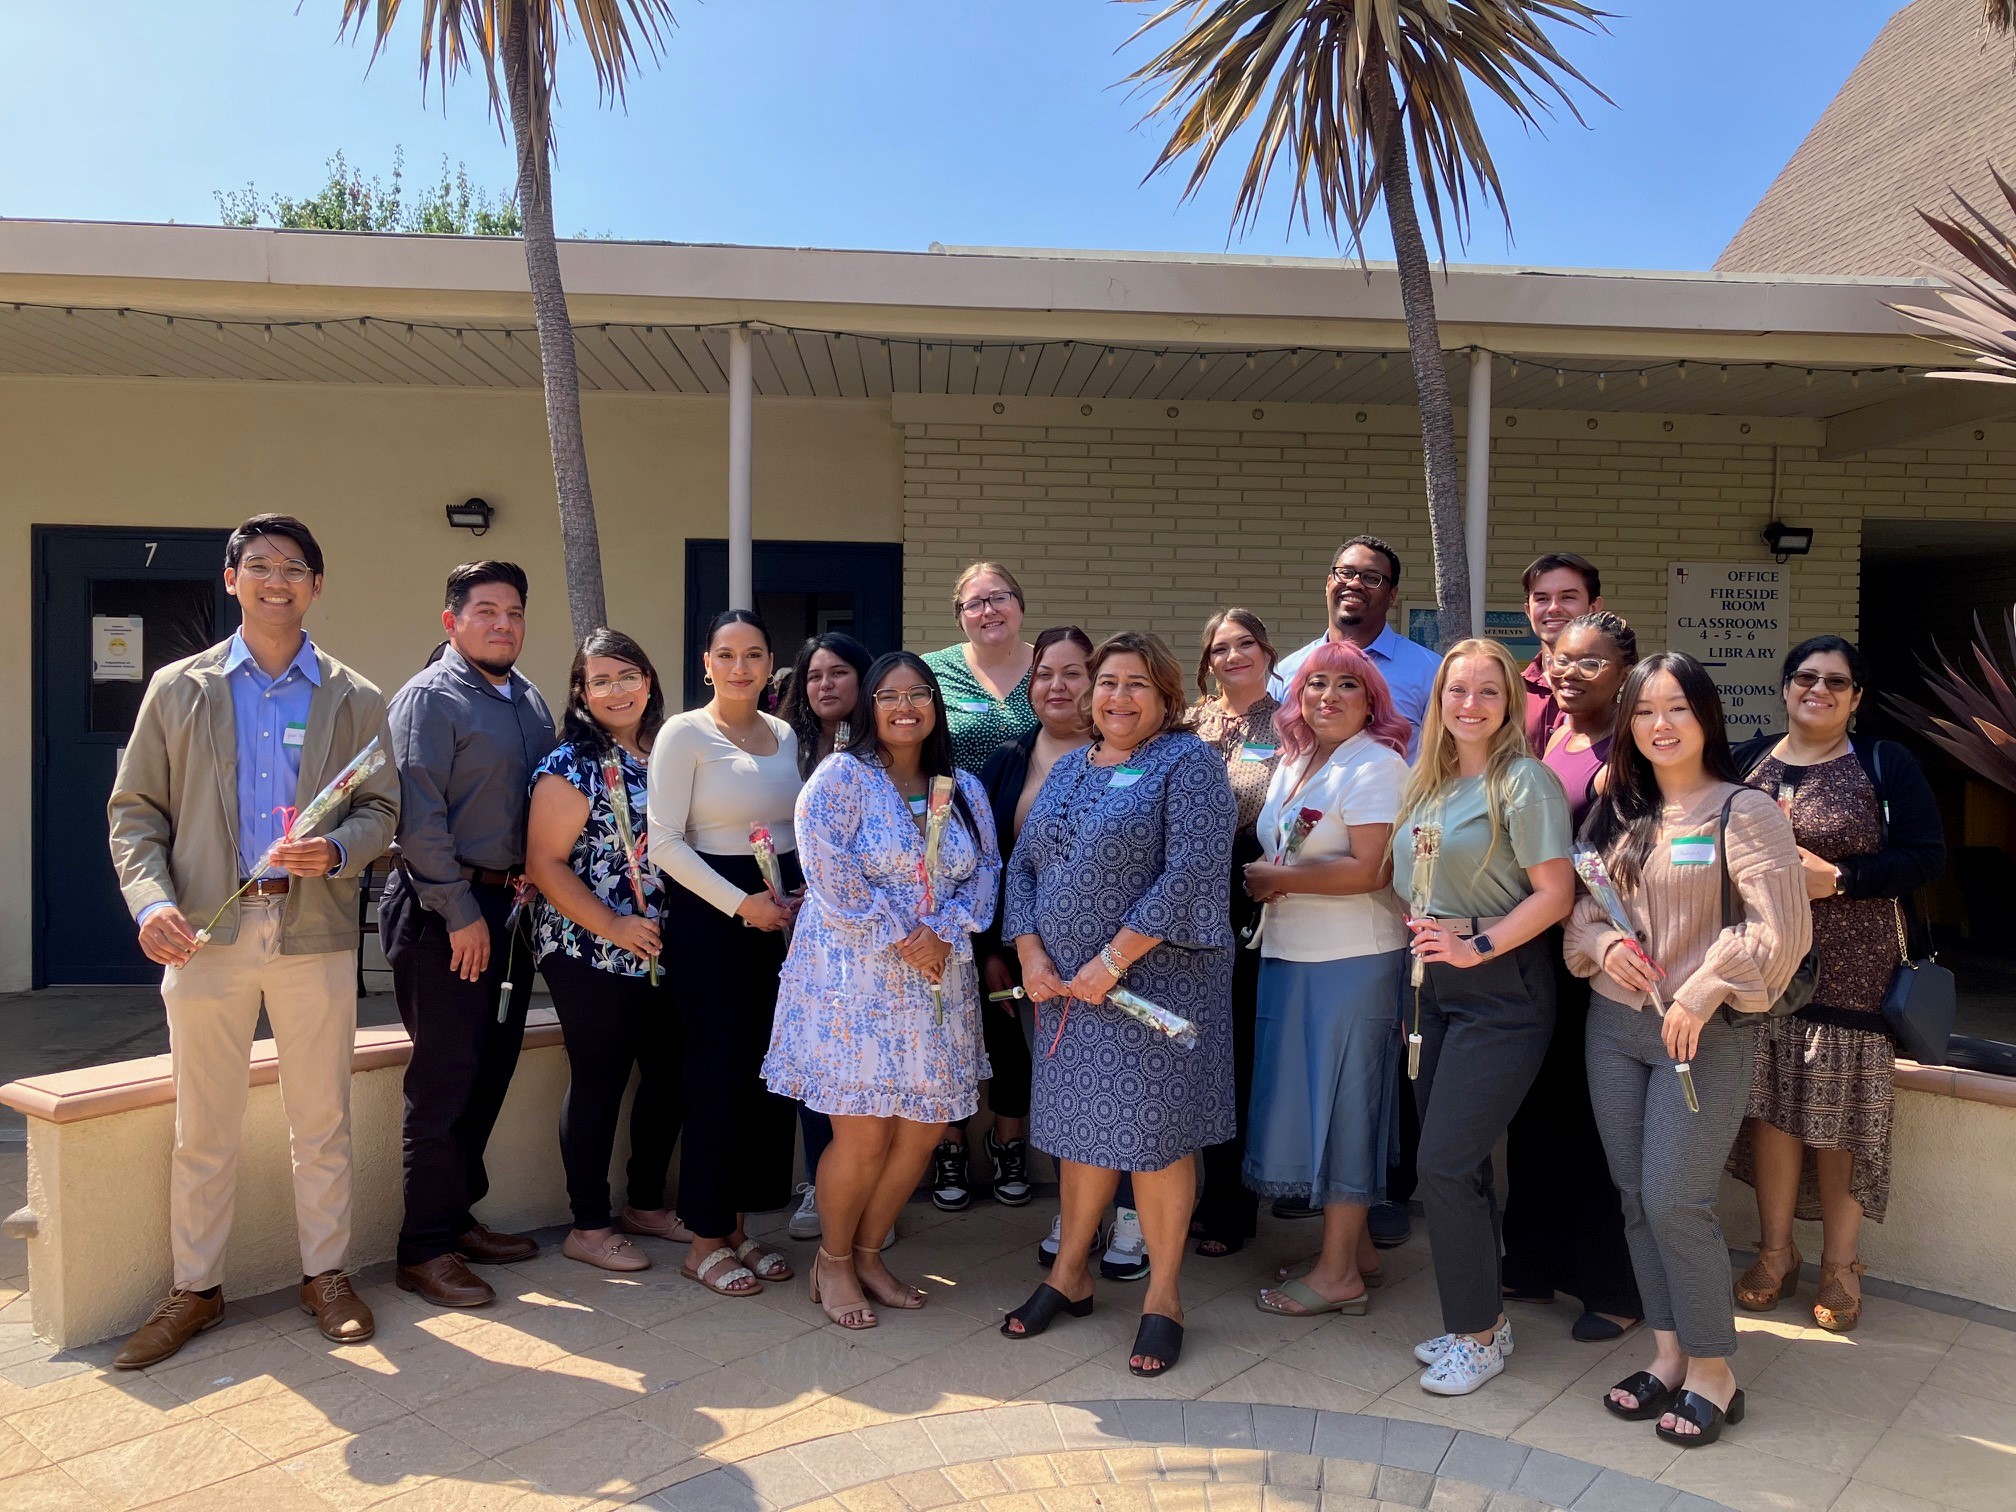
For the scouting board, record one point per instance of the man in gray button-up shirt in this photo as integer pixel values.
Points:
(467, 732)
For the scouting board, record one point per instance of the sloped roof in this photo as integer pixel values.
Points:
(1929, 105)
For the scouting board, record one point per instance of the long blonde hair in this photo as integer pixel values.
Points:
(1435, 767)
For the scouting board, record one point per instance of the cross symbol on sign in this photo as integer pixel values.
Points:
(1681, 573)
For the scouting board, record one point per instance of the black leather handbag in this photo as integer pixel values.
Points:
(1919, 1007)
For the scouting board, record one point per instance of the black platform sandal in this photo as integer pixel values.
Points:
(1655, 1397)
(1703, 1414)
(1159, 1337)
(1041, 1310)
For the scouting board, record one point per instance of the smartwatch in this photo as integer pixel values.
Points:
(1481, 943)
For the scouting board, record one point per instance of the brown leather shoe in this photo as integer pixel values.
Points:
(181, 1316)
(336, 1308)
(483, 1245)
(446, 1282)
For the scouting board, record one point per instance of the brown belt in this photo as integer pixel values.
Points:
(269, 887)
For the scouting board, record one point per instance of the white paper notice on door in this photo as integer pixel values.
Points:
(116, 648)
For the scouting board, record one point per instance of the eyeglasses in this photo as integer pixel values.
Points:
(1367, 576)
(980, 605)
(1581, 666)
(903, 698)
(1834, 682)
(602, 687)
(260, 570)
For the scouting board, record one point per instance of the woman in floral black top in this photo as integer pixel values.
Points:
(597, 942)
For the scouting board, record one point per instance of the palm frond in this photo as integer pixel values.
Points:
(1303, 74)
(1975, 316)
(1977, 725)
(1999, 15)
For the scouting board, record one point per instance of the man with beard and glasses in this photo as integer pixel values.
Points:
(467, 731)
(1357, 593)
(1559, 586)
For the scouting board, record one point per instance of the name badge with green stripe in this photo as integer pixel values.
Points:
(1693, 850)
(1126, 777)
(975, 706)
(1254, 751)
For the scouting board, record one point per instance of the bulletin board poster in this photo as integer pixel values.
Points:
(1732, 618)
(1509, 627)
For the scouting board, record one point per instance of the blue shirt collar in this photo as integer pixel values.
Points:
(304, 660)
(1382, 645)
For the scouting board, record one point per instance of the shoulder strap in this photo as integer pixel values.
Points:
(1731, 910)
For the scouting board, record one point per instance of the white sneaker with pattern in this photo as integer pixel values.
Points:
(1465, 1365)
(1428, 1351)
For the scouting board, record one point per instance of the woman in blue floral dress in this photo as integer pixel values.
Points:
(878, 1013)
(596, 941)
(1120, 874)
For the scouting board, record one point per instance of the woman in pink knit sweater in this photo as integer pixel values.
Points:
(1672, 817)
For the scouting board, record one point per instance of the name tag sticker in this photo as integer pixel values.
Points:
(1126, 777)
(1693, 850)
(1252, 752)
(294, 735)
(974, 706)
(918, 806)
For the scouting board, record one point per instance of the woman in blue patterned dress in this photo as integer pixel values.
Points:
(1120, 874)
(860, 1034)
(596, 942)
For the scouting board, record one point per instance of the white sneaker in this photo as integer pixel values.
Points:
(1046, 1252)
(805, 1222)
(1126, 1257)
(1465, 1365)
(1431, 1350)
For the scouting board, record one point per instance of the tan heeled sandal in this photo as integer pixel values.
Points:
(1836, 1309)
(906, 1297)
(860, 1313)
(1758, 1290)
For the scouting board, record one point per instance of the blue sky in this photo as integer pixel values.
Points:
(881, 123)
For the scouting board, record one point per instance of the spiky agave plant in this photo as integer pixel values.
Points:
(1976, 316)
(1981, 729)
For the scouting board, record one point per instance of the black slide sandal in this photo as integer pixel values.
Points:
(1041, 1310)
(1655, 1397)
(1703, 1414)
(1160, 1337)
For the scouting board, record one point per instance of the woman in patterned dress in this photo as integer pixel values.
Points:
(1238, 722)
(1119, 874)
(985, 682)
(597, 941)
(1817, 1140)
(860, 1034)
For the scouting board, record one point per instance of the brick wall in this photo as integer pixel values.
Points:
(1116, 521)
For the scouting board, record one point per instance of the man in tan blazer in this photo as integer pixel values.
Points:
(226, 742)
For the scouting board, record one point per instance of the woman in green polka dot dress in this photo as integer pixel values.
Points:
(985, 677)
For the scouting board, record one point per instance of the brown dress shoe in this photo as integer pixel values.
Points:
(446, 1282)
(338, 1311)
(483, 1245)
(179, 1318)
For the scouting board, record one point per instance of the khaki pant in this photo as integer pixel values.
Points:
(213, 1011)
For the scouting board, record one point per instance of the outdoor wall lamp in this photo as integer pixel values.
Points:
(1784, 540)
(475, 514)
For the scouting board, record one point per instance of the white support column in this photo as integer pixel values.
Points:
(741, 517)
(1477, 487)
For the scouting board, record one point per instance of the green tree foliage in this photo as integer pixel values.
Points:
(350, 202)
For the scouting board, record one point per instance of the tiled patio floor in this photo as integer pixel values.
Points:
(581, 1389)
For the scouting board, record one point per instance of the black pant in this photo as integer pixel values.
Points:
(1008, 1053)
(1229, 1210)
(1564, 1223)
(612, 1023)
(736, 1154)
(462, 1061)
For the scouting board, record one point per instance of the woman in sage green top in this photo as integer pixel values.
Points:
(1484, 1006)
(985, 677)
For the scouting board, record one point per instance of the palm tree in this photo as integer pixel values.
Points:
(525, 36)
(1357, 90)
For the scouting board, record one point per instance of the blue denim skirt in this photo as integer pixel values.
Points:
(1324, 1121)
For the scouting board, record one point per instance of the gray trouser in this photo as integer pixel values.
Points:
(1484, 1033)
(1667, 1162)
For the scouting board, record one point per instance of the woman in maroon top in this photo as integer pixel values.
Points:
(1564, 1226)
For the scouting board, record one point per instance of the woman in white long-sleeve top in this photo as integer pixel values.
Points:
(861, 1034)
(718, 773)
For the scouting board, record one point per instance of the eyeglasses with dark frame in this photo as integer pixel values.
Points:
(1834, 682)
(1369, 577)
(997, 600)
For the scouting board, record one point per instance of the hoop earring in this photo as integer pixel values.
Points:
(707, 678)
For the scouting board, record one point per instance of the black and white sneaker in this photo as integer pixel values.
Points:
(951, 1178)
(1046, 1252)
(1126, 1257)
(1011, 1171)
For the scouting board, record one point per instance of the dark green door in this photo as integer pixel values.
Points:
(111, 606)
(803, 588)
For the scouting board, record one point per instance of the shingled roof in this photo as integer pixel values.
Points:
(1929, 105)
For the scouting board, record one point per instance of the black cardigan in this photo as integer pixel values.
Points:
(1002, 776)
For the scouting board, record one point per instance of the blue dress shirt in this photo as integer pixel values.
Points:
(1408, 667)
(271, 716)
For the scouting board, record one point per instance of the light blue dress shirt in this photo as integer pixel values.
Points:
(271, 716)
(1408, 667)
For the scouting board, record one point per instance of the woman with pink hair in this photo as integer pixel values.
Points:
(1323, 1119)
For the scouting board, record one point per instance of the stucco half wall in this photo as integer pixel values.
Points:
(371, 470)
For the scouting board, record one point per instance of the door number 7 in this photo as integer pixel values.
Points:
(152, 547)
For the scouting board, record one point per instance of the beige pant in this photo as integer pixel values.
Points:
(213, 1011)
